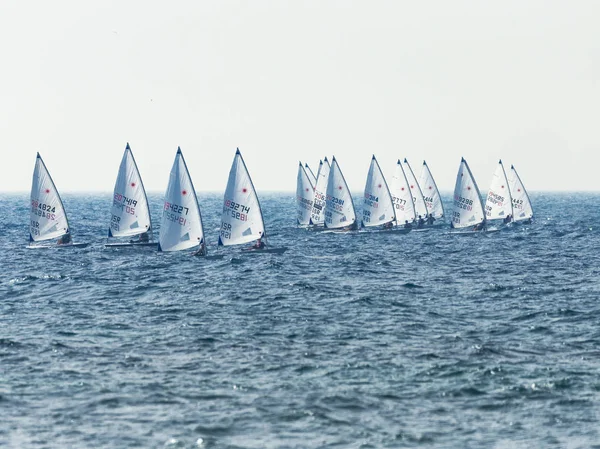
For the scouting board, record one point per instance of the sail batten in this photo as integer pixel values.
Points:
(339, 207)
(181, 225)
(242, 219)
(305, 192)
(130, 211)
(522, 208)
(48, 218)
(498, 203)
(431, 194)
(467, 207)
(378, 206)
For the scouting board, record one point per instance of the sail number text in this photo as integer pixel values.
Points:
(43, 210)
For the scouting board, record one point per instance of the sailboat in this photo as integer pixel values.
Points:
(523, 210)
(420, 206)
(305, 192)
(130, 212)
(310, 174)
(317, 216)
(498, 204)
(339, 208)
(47, 217)
(467, 210)
(402, 198)
(242, 219)
(181, 225)
(431, 194)
(378, 206)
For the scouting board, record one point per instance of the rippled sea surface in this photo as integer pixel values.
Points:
(358, 340)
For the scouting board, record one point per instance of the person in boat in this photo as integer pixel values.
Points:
(65, 239)
(407, 225)
(143, 238)
(259, 244)
(201, 250)
(430, 219)
(388, 225)
(479, 227)
(420, 222)
(508, 219)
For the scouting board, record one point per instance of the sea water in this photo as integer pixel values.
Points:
(356, 340)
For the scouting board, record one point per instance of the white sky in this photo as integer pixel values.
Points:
(290, 80)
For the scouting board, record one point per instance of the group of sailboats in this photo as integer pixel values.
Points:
(507, 200)
(181, 225)
(397, 206)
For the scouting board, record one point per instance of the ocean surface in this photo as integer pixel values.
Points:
(357, 340)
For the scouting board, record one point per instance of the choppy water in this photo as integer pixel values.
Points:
(361, 340)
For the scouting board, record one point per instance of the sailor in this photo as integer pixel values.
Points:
(407, 225)
(430, 219)
(479, 227)
(64, 239)
(420, 222)
(259, 244)
(508, 219)
(143, 238)
(201, 250)
(388, 225)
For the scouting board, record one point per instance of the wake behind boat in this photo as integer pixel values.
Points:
(130, 211)
(47, 217)
(242, 219)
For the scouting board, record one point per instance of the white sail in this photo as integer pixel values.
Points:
(242, 220)
(467, 206)
(181, 224)
(431, 194)
(47, 218)
(311, 175)
(498, 204)
(420, 206)
(402, 196)
(305, 193)
(339, 208)
(317, 216)
(378, 207)
(521, 202)
(130, 212)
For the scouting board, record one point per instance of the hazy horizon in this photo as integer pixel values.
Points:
(517, 81)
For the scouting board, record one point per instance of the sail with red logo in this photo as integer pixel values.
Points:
(467, 208)
(130, 212)
(181, 225)
(523, 210)
(339, 208)
(305, 192)
(47, 216)
(242, 219)
(498, 204)
(378, 207)
(431, 194)
(402, 197)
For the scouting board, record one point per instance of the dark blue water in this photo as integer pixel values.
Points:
(365, 340)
